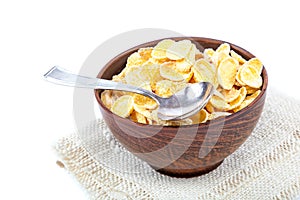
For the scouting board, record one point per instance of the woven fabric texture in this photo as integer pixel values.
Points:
(266, 166)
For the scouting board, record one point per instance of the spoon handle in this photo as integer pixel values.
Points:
(61, 76)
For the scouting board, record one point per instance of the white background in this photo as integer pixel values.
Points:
(36, 35)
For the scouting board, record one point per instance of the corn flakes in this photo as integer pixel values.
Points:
(159, 51)
(250, 76)
(170, 66)
(123, 106)
(179, 50)
(227, 72)
(169, 71)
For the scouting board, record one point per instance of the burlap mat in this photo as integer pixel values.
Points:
(266, 166)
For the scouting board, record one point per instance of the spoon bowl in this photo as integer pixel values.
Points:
(185, 102)
(181, 105)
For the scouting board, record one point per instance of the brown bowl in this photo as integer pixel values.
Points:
(189, 150)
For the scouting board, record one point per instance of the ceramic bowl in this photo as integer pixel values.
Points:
(189, 150)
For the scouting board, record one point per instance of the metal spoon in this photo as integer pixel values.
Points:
(182, 104)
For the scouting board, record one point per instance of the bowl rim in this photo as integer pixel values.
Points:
(192, 38)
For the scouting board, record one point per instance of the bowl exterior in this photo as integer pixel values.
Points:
(183, 151)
